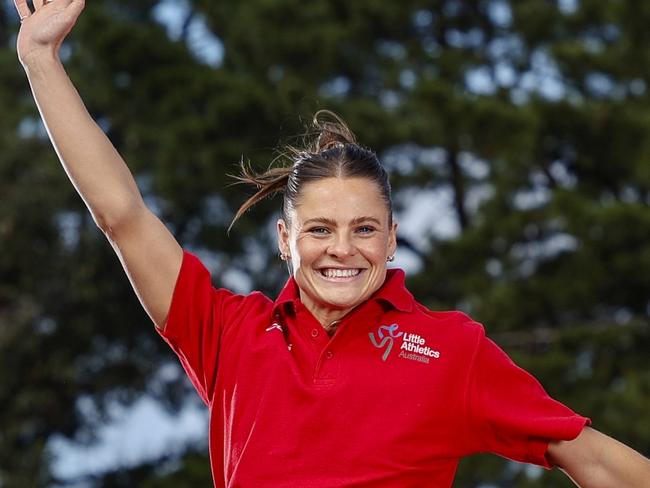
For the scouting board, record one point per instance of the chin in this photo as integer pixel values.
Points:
(342, 295)
(341, 303)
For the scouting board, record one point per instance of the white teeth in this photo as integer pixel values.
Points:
(340, 273)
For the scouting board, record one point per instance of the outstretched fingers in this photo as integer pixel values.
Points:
(75, 7)
(39, 3)
(23, 9)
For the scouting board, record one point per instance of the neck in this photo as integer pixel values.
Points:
(328, 318)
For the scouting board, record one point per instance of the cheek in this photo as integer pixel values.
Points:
(306, 251)
(377, 250)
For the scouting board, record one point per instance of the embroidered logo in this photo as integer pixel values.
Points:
(276, 325)
(413, 347)
(387, 335)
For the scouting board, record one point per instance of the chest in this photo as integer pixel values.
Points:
(383, 381)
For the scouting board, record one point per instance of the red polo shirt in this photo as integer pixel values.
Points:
(393, 399)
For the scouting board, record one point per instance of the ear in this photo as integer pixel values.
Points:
(283, 237)
(392, 239)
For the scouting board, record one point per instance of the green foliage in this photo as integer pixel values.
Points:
(546, 156)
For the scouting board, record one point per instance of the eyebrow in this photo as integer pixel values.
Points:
(332, 223)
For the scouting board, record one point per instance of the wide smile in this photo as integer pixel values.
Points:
(340, 275)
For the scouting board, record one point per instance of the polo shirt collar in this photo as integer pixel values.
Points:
(393, 292)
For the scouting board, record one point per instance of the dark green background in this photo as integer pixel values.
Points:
(562, 282)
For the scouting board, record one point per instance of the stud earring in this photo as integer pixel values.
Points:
(390, 258)
(284, 257)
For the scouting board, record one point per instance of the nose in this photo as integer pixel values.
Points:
(342, 246)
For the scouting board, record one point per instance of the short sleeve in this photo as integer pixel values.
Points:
(510, 412)
(195, 321)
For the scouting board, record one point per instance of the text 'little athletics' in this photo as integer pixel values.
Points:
(414, 348)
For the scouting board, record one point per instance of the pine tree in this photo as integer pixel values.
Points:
(529, 118)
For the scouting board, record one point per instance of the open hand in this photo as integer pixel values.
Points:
(42, 32)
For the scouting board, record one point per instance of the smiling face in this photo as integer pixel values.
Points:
(338, 238)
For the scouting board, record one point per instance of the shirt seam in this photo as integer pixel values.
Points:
(468, 387)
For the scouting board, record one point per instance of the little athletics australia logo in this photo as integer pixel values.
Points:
(413, 346)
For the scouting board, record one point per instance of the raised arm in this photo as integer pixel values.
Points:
(148, 252)
(594, 460)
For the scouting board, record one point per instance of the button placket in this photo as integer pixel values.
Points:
(325, 362)
(328, 366)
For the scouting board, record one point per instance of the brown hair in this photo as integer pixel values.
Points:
(334, 152)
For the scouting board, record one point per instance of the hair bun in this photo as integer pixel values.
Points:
(332, 131)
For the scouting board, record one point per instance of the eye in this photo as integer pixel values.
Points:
(318, 230)
(366, 229)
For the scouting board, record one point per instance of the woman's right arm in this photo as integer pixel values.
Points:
(147, 250)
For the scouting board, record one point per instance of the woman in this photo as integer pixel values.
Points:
(343, 380)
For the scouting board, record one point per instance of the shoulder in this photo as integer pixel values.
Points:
(452, 329)
(197, 279)
(451, 320)
(253, 303)
(257, 301)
